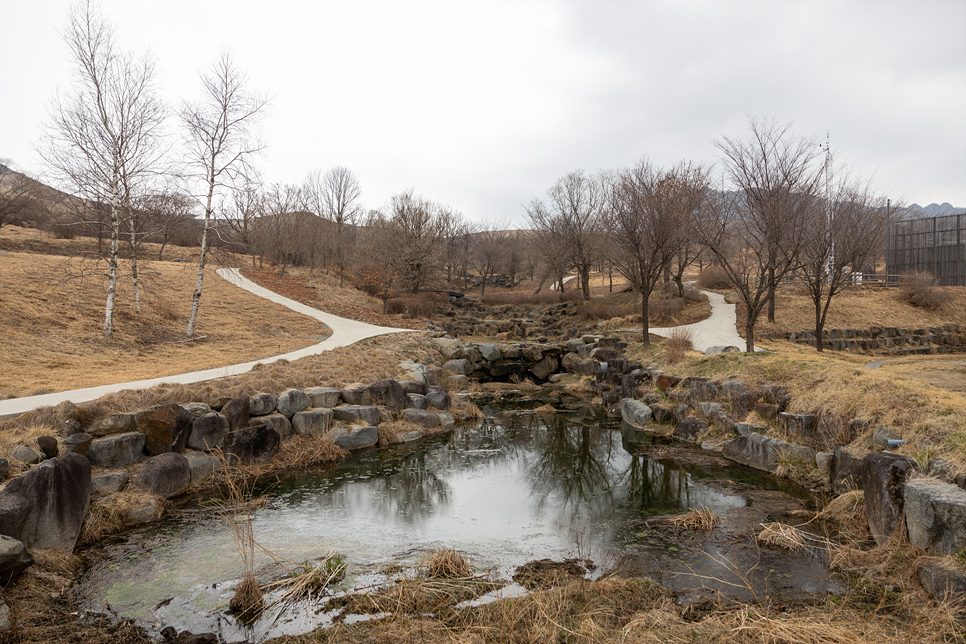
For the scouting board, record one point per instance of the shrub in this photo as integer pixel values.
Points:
(714, 277)
(596, 310)
(665, 309)
(677, 343)
(419, 306)
(529, 298)
(920, 290)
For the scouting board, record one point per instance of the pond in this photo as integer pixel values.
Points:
(517, 487)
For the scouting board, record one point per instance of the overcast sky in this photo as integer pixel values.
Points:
(483, 105)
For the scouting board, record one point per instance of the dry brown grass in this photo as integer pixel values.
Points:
(847, 512)
(444, 563)
(521, 297)
(52, 326)
(700, 519)
(922, 291)
(840, 388)
(679, 342)
(107, 511)
(859, 308)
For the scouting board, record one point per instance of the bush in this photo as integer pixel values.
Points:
(920, 290)
(677, 343)
(415, 307)
(528, 298)
(714, 277)
(596, 310)
(665, 309)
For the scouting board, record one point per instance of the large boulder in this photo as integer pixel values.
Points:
(413, 387)
(357, 395)
(422, 417)
(196, 409)
(324, 397)
(48, 446)
(417, 401)
(115, 424)
(358, 438)
(388, 393)
(237, 411)
(489, 352)
(208, 431)
(764, 453)
(45, 507)
(110, 481)
(311, 422)
(262, 404)
(690, 430)
(884, 486)
(936, 515)
(201, 465)
(166, 475)
(78, 443)
(846, 472)
(460, 366)
(803, 425)
(635, 412)
(252, 445)
(119, 450)
(544, 367)
(165, 428)
(14, 558)
(941, 581)
(292, 401)
(279, 423)
(366, 414)
(437, 398)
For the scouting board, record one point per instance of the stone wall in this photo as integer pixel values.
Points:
(950, 338)
(165, 449)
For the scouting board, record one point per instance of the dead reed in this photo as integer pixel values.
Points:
(678, 342)
(444, 563)
(700, 519)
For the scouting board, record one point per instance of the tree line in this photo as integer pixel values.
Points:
(778, 208)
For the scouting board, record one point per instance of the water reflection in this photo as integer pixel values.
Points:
(517, 487)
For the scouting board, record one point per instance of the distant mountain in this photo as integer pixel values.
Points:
(935, 210)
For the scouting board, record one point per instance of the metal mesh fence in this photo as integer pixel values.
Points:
(935, 245)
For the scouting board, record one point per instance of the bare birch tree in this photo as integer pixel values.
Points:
(104, 140)
(220, 132)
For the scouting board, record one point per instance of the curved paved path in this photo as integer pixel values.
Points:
(718, 330)
(344, 332)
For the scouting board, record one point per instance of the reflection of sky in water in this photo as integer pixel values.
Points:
(505, 495)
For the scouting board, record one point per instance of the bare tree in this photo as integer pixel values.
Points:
(514, 251)
(381, 263)
(421, 226)
(168, 214)
(336, 196)
(757, 232)
(241, 212)
(844, 235)
(573, 215)
(220, 132)
(487, 248)
(104, 140)
(648, 222)
(15, 197)
(287, 230)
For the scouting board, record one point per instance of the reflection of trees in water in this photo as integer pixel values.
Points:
(654, 486)
(412, 492)
(575, 466)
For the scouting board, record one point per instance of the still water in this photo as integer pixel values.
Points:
(514, 488)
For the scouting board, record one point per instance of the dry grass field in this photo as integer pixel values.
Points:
(52, 323)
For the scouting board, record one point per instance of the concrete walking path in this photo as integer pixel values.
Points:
(344, 333)
(718, 330)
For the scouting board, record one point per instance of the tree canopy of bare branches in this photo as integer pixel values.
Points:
(756, 232)
(844, 234)
(650, 220)
(337, 197)
(14, 194)
(220, 132)
(104, 139)
(568, 227)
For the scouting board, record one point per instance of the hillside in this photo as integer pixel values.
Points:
(52, 318)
